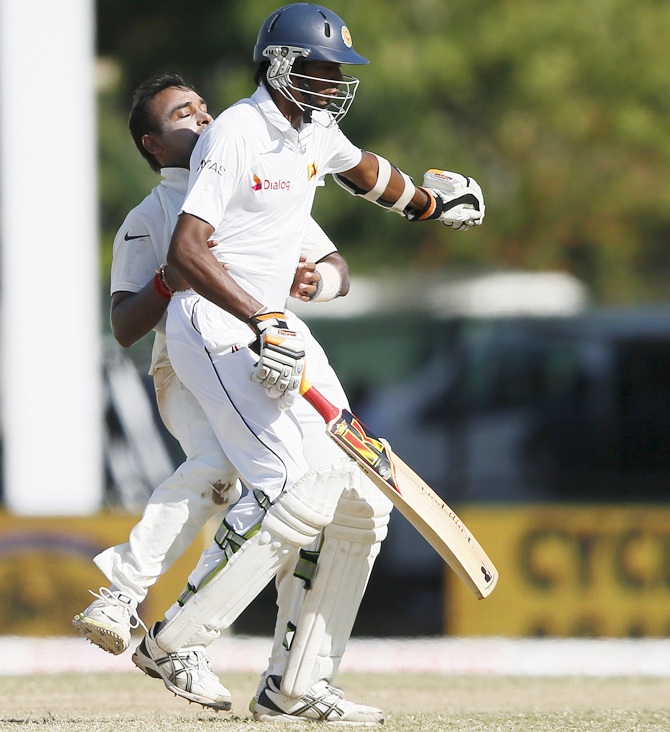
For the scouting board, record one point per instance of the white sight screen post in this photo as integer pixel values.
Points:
(50, 355)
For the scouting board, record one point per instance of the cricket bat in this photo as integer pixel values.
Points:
(415, 500)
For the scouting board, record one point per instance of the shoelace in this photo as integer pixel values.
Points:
(311, 697)
(328, 690)
(335, 690)
(200, 660)
(106, 595)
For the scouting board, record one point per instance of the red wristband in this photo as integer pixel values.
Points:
(160, 287)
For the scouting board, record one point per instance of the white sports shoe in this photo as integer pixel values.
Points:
(187, 673)
(322, 703)
(108, 621)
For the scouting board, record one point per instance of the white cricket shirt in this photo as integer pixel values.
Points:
(142, 242)
(253, 179)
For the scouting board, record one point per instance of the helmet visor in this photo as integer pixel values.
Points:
(337, 103)
(281, 76)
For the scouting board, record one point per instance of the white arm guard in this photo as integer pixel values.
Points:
(383, 178)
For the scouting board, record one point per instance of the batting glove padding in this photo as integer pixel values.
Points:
(281, 357)
(456, 200)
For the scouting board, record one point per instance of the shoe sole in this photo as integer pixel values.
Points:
(100, 635)
(274, 717)
(262, 714)
(150, 668)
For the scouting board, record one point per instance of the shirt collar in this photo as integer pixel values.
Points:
(271, 112)
(175, 178)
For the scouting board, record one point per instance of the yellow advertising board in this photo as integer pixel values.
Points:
(564, 571)
(46, 570)
(568, 571)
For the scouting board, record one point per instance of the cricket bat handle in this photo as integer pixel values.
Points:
(325, 408)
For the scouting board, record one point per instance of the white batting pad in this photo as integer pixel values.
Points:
(294, 521)
(325, 614)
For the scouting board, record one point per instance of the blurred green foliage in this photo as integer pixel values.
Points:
(559, 110)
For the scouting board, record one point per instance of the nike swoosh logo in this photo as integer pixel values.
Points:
(127, 237)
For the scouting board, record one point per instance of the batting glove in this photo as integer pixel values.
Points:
(456, 200)
(281, 357)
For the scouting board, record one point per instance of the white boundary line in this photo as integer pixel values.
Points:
(484, 656)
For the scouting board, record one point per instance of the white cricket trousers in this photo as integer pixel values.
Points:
(201, 488)
(270, 448)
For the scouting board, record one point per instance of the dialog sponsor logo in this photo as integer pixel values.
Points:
(265, 184)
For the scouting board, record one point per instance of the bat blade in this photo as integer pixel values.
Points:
(412, 496)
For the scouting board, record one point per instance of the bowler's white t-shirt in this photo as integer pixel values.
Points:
(141, 245)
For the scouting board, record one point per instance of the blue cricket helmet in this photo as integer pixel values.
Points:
(321, 34)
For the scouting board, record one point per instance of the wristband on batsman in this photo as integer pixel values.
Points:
(330, 284)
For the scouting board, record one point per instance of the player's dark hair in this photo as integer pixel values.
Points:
(140, 121)
(261, 73)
